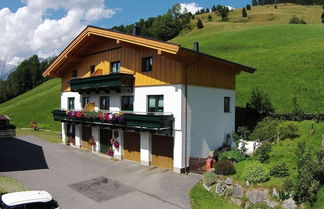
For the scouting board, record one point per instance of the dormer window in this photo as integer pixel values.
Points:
(115, 67)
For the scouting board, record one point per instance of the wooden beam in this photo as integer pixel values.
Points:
(73, 58)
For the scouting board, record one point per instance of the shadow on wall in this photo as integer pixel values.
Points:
(19, 155)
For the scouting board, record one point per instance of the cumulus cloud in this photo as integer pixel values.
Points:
(190, 7)
(28, 31)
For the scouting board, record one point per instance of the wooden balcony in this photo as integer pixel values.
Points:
(153, 123)
(113, 81)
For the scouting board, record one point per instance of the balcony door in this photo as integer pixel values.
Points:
(86, 134)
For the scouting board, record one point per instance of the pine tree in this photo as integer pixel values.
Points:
(210, 18)
(200, 24)
(244, 14)
(254, 3)
(213, 9)
(207, 10)
(248, 7)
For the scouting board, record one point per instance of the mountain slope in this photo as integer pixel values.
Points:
(35, 104)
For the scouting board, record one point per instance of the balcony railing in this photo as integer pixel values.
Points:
(103, 82)
(152, 122)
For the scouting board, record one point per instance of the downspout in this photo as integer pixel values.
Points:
(186, 112)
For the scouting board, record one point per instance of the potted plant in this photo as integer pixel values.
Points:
(67, 141)
(114, 143)
(91, 141)
(110, 152)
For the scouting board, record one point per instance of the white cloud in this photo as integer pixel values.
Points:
(190, 7)
(230, 7)
(27, 31)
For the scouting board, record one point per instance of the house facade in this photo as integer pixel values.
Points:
(143, 100)
(6, 129)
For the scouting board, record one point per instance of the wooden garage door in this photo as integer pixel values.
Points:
(162, 151)
(86, 134)
(105, 136)
(132, 146)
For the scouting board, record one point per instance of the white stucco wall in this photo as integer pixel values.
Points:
(207, 122)
(64, 100)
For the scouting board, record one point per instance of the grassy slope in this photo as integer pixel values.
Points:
(289, 58)
(36, 104)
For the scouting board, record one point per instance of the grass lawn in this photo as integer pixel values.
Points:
(8, 184)
(202, 199)
(50, 136)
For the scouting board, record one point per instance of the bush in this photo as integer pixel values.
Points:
(260, 102)
(241, 133)
(288, 130)
(265, 129)
(262, 153)
(280, 170)
(255, 173)
(233, 155)
(248, 7)
(224, 167)
(200, 24)
(296, 20)
(209, 178)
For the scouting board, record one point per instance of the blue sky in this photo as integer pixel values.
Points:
(45, 27)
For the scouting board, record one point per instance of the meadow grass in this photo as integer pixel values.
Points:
(35, 105)
(50, 136)
(8, 184)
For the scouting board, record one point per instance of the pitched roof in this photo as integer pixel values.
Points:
(161, 46)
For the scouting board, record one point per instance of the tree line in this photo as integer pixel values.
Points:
(302, 2)
(27, 76)
(163, 27)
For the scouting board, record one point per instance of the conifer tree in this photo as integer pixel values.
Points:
(200, 24)
(244, 13)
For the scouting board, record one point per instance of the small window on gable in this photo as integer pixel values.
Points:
(74, 73)
(115, 67)
(92, 69)
(147, 64)
(227, 102)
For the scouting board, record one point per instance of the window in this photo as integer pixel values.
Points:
(115, 67)
(155, 103)
(227, 104)
(147, 64)
(127, 103)
(85, 101)
(104, 103)
(74, 73)
(92, 69)
(70, 103)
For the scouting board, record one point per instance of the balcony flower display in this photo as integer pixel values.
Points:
(110, 152)
(91, 141)
(71, 114)
(102, 116)
(109, 117)
(78, 114)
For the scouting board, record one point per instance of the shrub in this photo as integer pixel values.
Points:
(280, 170)
(241, 133)
(260, 102)
(209, 18)
(296, 20)
(233, 155)
(209, 178)
(248, 7)
(224, 167)
(265, 129)
(262, 153)
(255, 173)
(297, 113)
(200, 24)
(288, 130)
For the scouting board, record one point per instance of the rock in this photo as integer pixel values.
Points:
(228, 181)
(220, 189)
(237, 191)
(247, 183)
(275, 192)
(289, 204)
(271, 204)
(219, 181)
(228, 191)
(256, 196)
(206, 187)
(236, 201)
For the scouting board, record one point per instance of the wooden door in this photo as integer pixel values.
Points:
(162, 151)
(132, 146)
(86, 134)
(105, 136)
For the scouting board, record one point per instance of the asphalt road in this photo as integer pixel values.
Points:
(79, 179)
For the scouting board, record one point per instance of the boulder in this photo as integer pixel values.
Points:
(228, 181)
(271, 204)
(255, 195)
(289, 204)
(237, 201)
(275, 192)
(237, 191)
(220, 189)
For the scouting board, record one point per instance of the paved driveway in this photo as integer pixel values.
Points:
(82, 180)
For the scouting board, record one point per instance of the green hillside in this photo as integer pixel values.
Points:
(36, 104)
(289, 58)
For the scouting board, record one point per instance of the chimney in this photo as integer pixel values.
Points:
(196, 46)
(137, 30)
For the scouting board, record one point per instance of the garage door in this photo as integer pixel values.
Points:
(132, 146)
(162, 151)
(86, 134)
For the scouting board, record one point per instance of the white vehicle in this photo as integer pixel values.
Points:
(28, 200)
